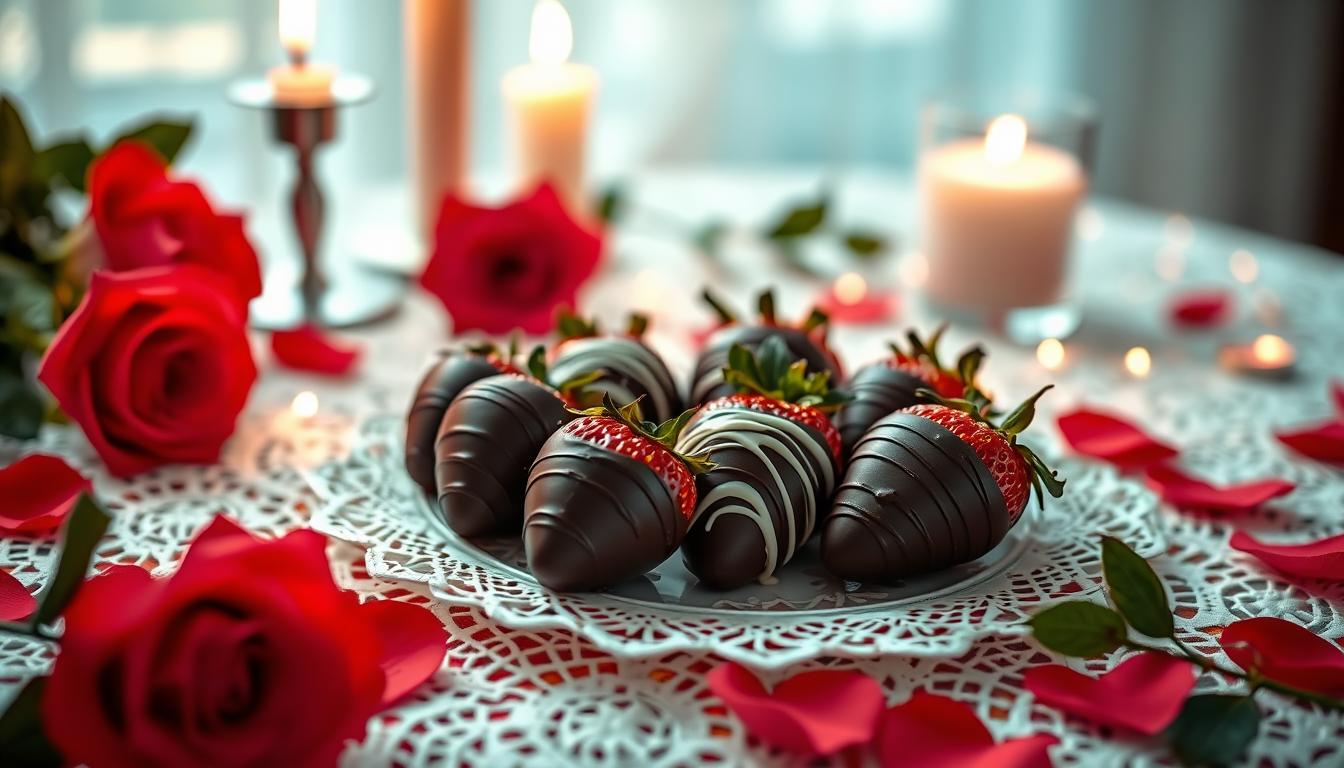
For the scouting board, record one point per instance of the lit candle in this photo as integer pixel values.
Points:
(850, 300)
(548, 102)
(998, 218)
(1269, 356)
(1138, 362)
(300, 83)
(1050, 354)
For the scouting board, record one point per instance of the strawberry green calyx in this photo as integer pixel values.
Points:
(1043, 478)
(570, 325)
(966, 370)
(775, 372)
(726, 316)
(664, 434)
(573, 389)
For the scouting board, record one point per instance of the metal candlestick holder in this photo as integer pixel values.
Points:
(335, 295)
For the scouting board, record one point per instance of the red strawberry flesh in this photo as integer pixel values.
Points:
(612, 435)
(1009, 470)
(802, 414)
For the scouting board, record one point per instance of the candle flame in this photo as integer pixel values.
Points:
(1138, 362)
(1050, 353)
(850, 288)
(552, 35)
(1271, 350)
(1005, 139)
(305, 405)
(298, 26)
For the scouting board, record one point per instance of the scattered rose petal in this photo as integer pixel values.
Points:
(813, 713)
(1324, 442)
(38, 492)
(307, 348)
(932, 731)
(1187, 492)
(1201, 309)
(1337, 395)
(1286, 652)
(16, 602)
(1110, 438)
(1322, 559)
(1144, 693)
(414, 644)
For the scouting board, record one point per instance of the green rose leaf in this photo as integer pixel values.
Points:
(68, 161)
(83, 530)
(16, 151)
(167, 137)
(1135, 589)
(802, 220)
(1078, 628)
(22, 741)
(865, 244)
(1214, 729)
(21, 407)
(611, 204)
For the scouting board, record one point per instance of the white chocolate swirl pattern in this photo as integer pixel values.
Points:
(771, 471)
(632, 370)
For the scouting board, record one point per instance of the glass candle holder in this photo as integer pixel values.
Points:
(1000, 180)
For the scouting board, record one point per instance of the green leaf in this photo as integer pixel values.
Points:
(1214, 729)
(83, 530)
(22, 740)
(572, 326)
(865, 244)
(167, 137)
(16, 151)
(1078, 628)
(1135, 589)
(802, 220)
(536, 364)
(21, 407)
(611, 204)
(68, 161)
(1021, 417)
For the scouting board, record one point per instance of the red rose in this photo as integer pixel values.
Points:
(154, 366)
(497, 269)
(248, 655)
(145, 219)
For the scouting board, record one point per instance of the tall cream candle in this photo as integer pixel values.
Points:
(438, 62)
(998, 218)
(549, 101)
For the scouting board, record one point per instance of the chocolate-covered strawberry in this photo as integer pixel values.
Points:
(929, 487)
(775, 455)
(880, 388)
(450, 373)
(487, 441)
(607, 499)
(631, 369)
(806, 341)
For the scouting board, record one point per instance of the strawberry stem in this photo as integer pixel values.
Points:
(726, 315)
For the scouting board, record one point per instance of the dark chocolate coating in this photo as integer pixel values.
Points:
(444, 380)
(595, 518)
(632, 368)
(707, 380)
(732, 551)
(878, 390)
(915, 499)
(486, 443)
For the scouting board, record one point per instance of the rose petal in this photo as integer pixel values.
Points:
(934, 731)
(1337, 395)
(16, 602)
(1144, 693)
(1111, 438)
(414, 644)
(1322, 559)
(813, 713)
(38, 492)
(307, 348)
(1286, 652)
(1188, 492)
(1323, 442)
(1201, 309)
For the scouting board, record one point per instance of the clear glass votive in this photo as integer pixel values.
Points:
(1000, 181)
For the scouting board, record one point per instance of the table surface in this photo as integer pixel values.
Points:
(544, 698)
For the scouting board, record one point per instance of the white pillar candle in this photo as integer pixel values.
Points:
(438, 63)
(298, 82)
(548, 102)
(998, 218)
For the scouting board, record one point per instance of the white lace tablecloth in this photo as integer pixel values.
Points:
(549, 697)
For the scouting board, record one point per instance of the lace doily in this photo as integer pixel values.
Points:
(367, 499)
(545, 697)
